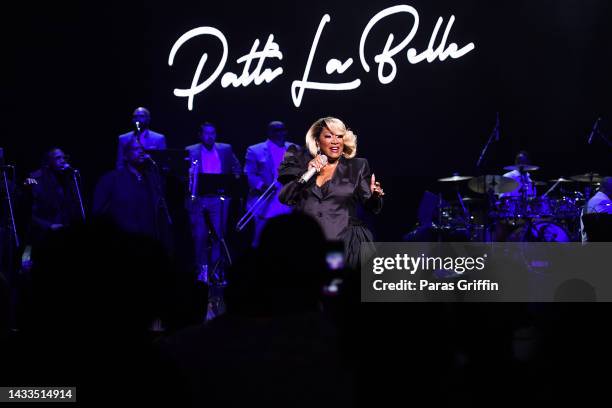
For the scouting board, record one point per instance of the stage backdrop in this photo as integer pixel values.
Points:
(419, 82)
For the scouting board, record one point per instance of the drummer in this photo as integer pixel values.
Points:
(523, 179)
(600, 203)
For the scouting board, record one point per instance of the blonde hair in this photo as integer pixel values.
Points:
(337, 127)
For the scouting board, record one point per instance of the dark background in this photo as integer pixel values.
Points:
(78, 70)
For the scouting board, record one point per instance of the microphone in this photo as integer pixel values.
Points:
(138, 126)
(594, 130)
(311, 171)
(148, 157)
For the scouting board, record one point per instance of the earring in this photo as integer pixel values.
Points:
(318, 150)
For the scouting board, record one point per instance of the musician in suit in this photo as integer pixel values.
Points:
(132, 198)
(150, 140)
(210, 158)
(342, 183)
(261, 168)
(55, 202)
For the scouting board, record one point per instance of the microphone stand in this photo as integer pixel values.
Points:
(161, 201)
(597, 132)
(608, 142)
(216, 237)
(493, 136)
(75, 177)
(9, 202)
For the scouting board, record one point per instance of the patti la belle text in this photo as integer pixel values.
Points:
(423, 285)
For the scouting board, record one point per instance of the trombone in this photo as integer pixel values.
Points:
(193, 180)
(270, 191)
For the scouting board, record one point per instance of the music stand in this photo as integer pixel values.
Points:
(172, 161)
(229, 185)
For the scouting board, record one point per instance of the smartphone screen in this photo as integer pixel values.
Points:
(335, 255)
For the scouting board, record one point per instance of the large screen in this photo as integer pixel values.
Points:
(423, 84)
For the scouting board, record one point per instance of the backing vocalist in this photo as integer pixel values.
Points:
(131, 198)
(54, 196)
(342, 183)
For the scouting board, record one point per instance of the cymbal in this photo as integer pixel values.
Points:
(522, 167)
(538, 183)
(497, 184)
(468, 200)
(561, 180)
(587, 178)
(472, 200)
(455, 177)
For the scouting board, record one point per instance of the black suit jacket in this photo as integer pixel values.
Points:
(54, 201)
(336, 210)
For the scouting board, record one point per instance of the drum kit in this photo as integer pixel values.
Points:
(516, 208)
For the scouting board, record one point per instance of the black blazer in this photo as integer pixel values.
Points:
(54, 201)
(336, 210)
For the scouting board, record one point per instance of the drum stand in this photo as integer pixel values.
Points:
(523, 191)
(466, 214)
(491, 226)
(528, 235)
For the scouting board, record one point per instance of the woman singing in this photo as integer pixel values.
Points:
(342, 181)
